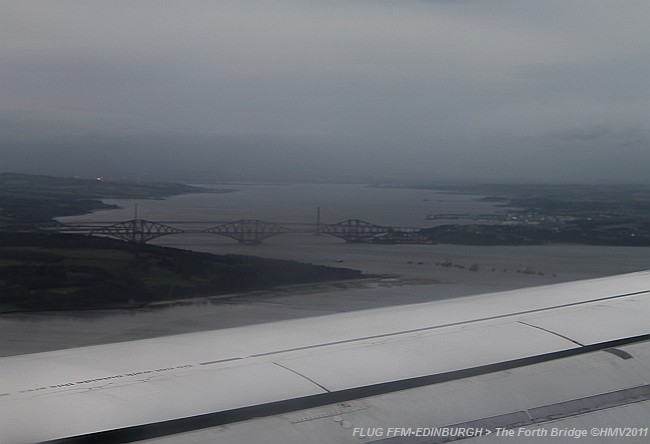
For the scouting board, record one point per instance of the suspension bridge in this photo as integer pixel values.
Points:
(245, 231)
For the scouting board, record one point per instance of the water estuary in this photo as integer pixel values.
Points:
(407, 273)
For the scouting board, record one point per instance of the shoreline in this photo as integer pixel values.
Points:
(44, 331)
(302, 289)
(278, 291)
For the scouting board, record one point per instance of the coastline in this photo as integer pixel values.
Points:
(301, 289)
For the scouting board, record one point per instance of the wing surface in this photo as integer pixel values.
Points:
(455, 361)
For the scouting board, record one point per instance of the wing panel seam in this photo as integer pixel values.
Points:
(552, 332)
(303, 376)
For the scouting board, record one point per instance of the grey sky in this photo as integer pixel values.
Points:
(344, 90)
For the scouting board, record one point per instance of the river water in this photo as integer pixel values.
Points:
(412, 273)
(298, 204)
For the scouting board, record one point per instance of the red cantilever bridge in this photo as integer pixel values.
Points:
(246, 231)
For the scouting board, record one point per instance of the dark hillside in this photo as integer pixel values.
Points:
(28, 199)
(40, 271)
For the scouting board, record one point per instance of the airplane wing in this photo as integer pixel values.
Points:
(566, 359)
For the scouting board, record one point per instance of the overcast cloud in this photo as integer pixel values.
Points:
(497, 90)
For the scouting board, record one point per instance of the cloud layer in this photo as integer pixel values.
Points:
(339, 90)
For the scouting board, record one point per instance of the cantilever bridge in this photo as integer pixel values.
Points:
(246, 231)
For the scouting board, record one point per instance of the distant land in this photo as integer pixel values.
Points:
(30, 199)
(608, 215)
(51, 271)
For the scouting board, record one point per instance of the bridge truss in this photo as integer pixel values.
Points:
(136, 230)
(355, 230)
(249, 232)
